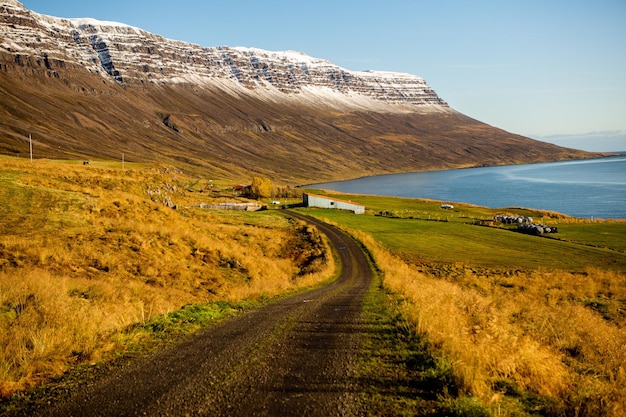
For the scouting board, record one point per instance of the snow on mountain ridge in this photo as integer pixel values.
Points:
(88, 21)
(302, 58)
(292, 56)
(131, 55)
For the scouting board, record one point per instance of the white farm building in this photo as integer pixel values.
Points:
(314, 200)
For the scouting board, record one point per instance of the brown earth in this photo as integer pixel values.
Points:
(73, 114)
(296, 357)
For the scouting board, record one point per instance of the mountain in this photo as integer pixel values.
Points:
(91, 89)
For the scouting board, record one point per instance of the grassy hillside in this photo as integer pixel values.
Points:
(526, 325)
(89, 252)
(94, 262)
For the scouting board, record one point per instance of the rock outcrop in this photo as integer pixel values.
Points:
(130, 55)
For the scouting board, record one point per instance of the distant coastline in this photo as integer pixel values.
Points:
(588, 188)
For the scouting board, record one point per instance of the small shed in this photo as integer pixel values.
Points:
(314, 200)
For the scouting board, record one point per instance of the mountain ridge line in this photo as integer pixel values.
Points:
(86, 89)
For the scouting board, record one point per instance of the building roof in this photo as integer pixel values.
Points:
(334, 199)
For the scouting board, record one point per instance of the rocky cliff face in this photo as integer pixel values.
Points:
(133, 56)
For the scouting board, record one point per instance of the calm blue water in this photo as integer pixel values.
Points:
(591, 188)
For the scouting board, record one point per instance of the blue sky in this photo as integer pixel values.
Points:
(548, 69)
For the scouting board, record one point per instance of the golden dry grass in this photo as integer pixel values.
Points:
(87, 251)
(551, 335)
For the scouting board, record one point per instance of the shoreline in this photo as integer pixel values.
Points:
(496, 187)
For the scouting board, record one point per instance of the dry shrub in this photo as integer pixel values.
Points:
(274, 268)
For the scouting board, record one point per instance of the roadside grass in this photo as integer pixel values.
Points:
(525, 325)
(398, 373)
(88, 252)
(138, 340)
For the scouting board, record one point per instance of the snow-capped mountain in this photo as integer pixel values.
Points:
(85, 89)
(130, 55)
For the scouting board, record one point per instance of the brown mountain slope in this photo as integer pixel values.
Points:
(72, 113)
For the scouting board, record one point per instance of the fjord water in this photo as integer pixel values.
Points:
(593, 188)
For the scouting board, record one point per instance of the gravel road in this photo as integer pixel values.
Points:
(295, 357)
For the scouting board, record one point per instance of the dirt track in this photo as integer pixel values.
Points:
(292, 358)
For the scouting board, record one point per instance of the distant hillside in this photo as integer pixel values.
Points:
(96, 90)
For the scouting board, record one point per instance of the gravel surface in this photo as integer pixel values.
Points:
(295, 357)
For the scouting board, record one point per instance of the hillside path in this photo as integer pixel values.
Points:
(295, 357)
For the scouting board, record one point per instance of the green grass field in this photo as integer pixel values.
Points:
(423, 231)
